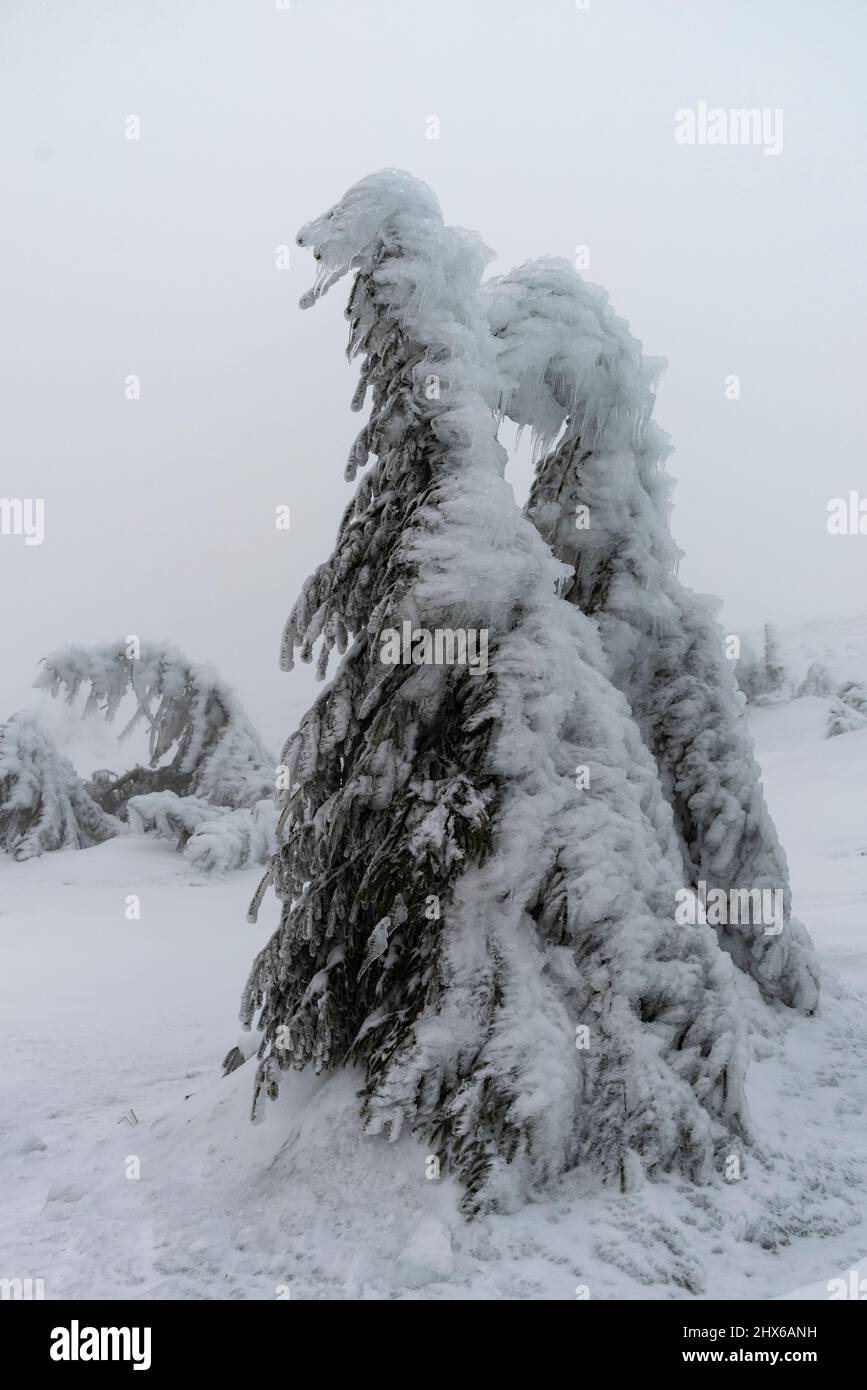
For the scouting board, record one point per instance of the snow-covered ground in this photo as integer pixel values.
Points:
(105, 1015)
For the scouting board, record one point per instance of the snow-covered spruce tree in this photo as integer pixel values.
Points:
(844, 719)
(43, 803)
(818, 681)
(573, 374)
(776, 679)
(854, 694)
(750, 673)
(195, 720)
(848, 711)
(457, 902)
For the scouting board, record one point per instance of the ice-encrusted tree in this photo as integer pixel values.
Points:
(854, 694)
(194, 719)
(476, 866)
(210, 783)
(818, 681)
(43, 803)
(848, 711)
(750, 672)
(844, 718)
(776, 679)
(576, 377)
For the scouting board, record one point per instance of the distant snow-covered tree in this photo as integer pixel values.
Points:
(477, 868)
(775, 668)
(750, 673)
(575, 376)
(844, 718)
(848, 711)
(818, 681)
(43, 803)
(194, 719)
(854, 694)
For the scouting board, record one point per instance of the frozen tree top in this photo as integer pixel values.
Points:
(564, 353)
(387, 204)
(415, 320)
(389, 226)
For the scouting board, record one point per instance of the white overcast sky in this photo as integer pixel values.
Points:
(157, 257)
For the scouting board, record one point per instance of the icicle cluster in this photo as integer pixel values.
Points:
(575, 377)
(475, 867)
(43, 804)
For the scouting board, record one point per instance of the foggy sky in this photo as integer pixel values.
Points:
(156, 257)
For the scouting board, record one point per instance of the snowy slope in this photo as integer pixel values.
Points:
(103, 1014)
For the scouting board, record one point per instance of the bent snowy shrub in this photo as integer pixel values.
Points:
(43, 803)
(194, 719)
(214, 838)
